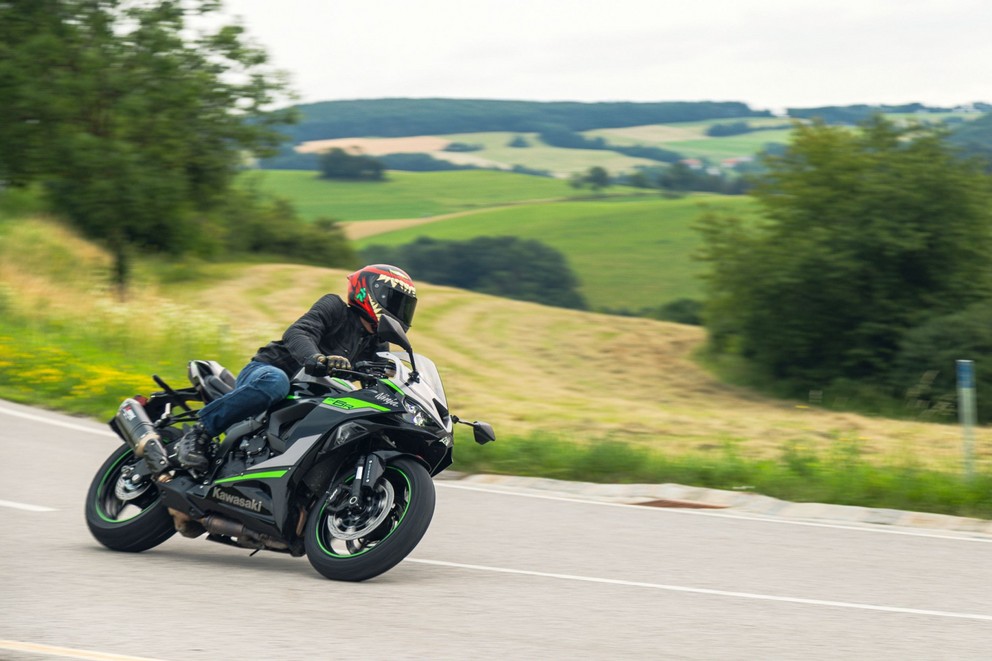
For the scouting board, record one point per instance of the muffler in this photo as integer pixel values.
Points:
(135, 425)
(217, 525)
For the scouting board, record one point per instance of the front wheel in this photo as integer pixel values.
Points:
(122, 515)
(355, 543)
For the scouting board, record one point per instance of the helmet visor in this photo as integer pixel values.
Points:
(398, 304)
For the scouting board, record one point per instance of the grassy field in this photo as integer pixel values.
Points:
(579, 376)
(405, 194)
(596, 392)
(690, 139)
(541, 156)
(628, 254)
(626, 226)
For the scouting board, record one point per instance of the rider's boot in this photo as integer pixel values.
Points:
(155, 455)
(191, 449)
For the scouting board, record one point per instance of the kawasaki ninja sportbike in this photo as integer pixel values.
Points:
(338, 472)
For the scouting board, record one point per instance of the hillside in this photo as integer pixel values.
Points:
(526, 368)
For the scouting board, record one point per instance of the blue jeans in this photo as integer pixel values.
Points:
(258, 386)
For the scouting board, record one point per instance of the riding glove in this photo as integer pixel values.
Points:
(321, 365)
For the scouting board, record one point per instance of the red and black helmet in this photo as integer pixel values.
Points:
(380, 288)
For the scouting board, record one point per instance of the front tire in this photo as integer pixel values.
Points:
(134, 523)
(356, 546)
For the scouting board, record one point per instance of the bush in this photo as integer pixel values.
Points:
(463, 146)
(270, 226)
(420, 163)
(339, 164)
(925, 366)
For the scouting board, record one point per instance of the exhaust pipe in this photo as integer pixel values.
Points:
(135, 425)
(217, 525)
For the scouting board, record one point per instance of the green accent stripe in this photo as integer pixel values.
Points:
(262, 475)
(350, 403)
(393, 386)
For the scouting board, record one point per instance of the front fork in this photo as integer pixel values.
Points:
(368, 469)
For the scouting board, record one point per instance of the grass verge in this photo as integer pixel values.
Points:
(840, 476)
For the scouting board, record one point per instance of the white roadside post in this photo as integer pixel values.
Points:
(966, 412)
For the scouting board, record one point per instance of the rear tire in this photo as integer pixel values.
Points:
(396, 529)
(131, 525)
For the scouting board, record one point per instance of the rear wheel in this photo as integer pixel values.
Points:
(124, 515)
(356, 542)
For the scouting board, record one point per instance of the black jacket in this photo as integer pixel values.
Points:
(329, 327)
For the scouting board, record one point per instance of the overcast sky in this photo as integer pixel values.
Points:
(768, 53)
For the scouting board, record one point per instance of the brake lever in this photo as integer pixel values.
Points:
(358, 376)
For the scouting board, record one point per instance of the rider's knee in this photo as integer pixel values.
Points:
(274, 382)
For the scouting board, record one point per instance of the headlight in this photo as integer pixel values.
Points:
(416, 414)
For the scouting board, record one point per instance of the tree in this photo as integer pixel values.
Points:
(597, 178)
(134, 121)
(336, 163)
(865, 235)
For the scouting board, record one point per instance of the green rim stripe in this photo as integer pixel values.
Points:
(406, 508)
(99, 490)
(263, 475)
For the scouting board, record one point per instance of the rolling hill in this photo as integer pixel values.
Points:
(526, 368)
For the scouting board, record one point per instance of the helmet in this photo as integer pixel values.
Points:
(381, 288)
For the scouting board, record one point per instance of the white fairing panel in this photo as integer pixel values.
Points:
(427, 390)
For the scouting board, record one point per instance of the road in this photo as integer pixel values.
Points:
(499, 574)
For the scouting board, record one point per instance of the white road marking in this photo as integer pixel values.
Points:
(25, 506)
(58, 423)
(67, 652)
(875, 528)
(707, 591)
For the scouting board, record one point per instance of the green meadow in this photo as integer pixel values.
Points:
(632, 253)
(630, 248)
(404, 194)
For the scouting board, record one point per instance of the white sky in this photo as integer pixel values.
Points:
(768, 53)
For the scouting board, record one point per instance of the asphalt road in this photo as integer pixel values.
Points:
(499, 575)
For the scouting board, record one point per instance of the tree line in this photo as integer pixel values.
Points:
(507, 266)
(405, 117)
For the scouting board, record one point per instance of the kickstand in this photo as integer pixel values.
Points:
(254, 552)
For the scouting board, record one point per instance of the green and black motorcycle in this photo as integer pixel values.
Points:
(339, 472)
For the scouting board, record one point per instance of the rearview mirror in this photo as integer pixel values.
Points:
(390, 330)
(483, 432)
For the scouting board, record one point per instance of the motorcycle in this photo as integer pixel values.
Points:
(339, 472)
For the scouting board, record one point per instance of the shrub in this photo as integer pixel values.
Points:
(925, 366)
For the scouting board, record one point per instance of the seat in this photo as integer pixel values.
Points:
(210, 378)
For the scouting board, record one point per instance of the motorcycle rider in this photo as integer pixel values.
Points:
(331, 335)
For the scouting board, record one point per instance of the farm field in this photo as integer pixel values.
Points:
(690, 139)
(687, 138)
(601, 238)
(632, 253)
(539, 156)
(407, 194)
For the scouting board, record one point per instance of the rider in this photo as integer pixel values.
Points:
(331, 335)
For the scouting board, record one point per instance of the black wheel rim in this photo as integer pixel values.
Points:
(114, 510)
(341, 548)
